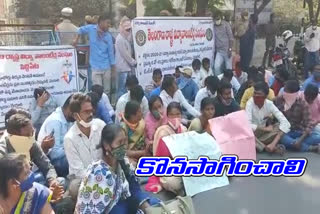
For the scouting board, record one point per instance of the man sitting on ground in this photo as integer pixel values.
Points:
(135, 94)
(311, 96)
(301, 137)
(259, 110)
(229, 77)
(224, 103)
(250, 91)
(187, 85)
(57, 126)
(212, 84)
(155, 83)
(104, 98)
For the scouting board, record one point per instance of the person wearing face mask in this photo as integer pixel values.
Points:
(250, 91)
(19, 193)
(124, 61)
(19, 137)
(102, 59)
(133, 124)
(115, 189)
(312, 45)
(187, 85)
(259, 110)
(211, 83)
(155, 118)
(57, 126)
(223, 44)
(294, 107)
(80, 142)
(224, 103)
(173, 126)
(201, 124)
(155, 83)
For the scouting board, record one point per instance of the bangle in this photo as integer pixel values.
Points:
(50, 197)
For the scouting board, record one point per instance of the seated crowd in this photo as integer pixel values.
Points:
(87, 151)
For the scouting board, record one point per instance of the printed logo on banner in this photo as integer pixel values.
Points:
(141, 38)
(67, 75)
(209, 34)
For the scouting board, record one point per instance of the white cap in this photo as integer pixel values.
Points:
(186, 70)
(67, 11)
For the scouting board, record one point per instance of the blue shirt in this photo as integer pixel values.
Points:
(101, 49)
(155, 92)
(310, 80)
(189, 89)
(55, 122)
(103, 113)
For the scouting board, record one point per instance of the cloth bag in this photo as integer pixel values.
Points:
(180, 205)
(234, 135)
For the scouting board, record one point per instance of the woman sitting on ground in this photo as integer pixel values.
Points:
(134, 126)
(201, 124)
(110, 185)
(173, 126)
(155, 118)
(19, 193)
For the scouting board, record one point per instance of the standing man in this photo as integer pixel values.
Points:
(66, 30)
(223, 43)
(241, 26)
(102, 60)
(124, 61)
(247, 43)
(312, 44)
(271, 31)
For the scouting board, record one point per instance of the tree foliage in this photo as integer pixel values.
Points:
(50, 9)
(314, 9)
(153, 7)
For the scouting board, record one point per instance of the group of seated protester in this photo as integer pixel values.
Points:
(87, 151)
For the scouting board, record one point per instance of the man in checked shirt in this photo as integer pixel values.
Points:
(293, 106)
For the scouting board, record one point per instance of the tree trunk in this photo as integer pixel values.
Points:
(310, 6)
(189, 6)
(318, 11)
(201, 7)
(258, 10)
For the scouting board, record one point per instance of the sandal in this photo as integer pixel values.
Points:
(281, 149)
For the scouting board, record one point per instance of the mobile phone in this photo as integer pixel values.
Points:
(52, 133)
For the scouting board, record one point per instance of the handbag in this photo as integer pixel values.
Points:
(180, 205)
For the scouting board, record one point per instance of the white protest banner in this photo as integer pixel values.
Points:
(22, 69)
(168, 42)
(193, 145)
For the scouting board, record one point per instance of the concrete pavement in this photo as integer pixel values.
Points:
(266, 195)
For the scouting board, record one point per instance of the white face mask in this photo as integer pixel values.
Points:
(218, 22)
(85, 124)
(314, 27)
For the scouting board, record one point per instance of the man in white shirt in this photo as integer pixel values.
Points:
(137, 94)
(228, 76)
(212, 84)
(170, 93)
(259, 111)
(81, 141)
(312, 44)
(196, 75)
(205, 71)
